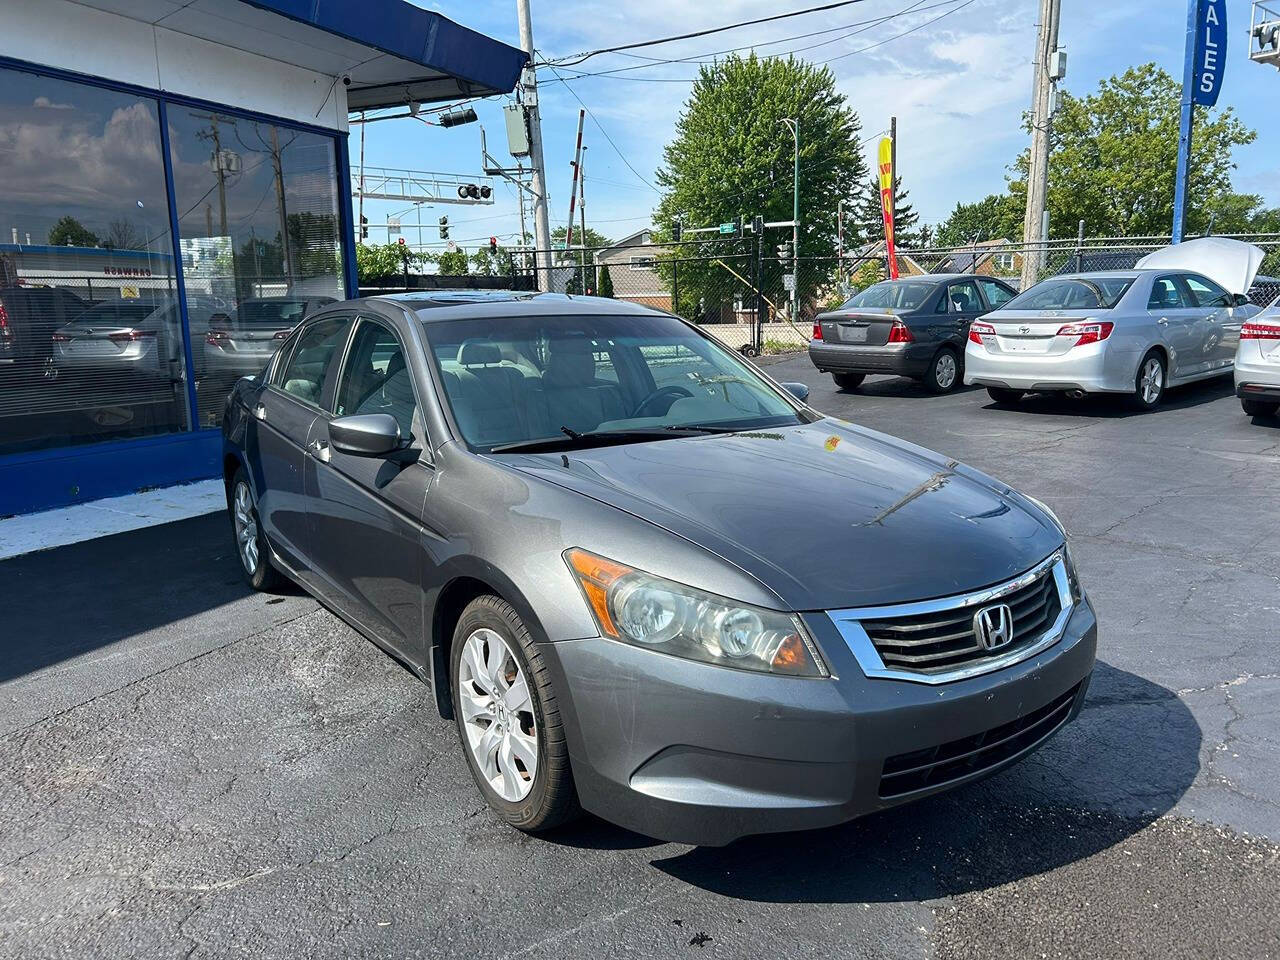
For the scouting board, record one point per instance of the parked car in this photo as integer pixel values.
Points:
(28, 318)
(913, 327)
(1174, 320)
(558, 512)
(242, 342)
(1257, 367)
(140, 337)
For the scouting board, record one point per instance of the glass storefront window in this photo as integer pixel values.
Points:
(259, 236)
(90, 339)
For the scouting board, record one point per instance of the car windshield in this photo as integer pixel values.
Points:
(1072, 293)
(271, 313)
(517, 380)
(895, 294)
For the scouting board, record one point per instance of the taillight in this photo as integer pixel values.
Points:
(283, 334)
(899, 333)
(1087, 332)
(1260, 331)
(128, 336)
(979, 330)
(215, 338)
(60, 338)
(5, 332)
(817, 331)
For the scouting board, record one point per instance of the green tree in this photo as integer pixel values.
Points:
(731, 155)
(489, 263)
(594, 238)
(70, 232)
(1114, 156)
(452, 263)
(994, 217)
(868, 217)
(606, 282)
(384, 261)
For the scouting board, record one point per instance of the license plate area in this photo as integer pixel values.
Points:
(853, 333)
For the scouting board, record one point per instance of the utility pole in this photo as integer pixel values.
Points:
(1046, 74)
(794, 127)
(538, 179)
(360, 199)
(573, 186)
(582, 212)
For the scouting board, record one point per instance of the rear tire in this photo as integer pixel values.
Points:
(1149, 384)
(508, 718)
(848, 381)
(1004, 396)
(943, 374)
(1259, 408)
(251, 542)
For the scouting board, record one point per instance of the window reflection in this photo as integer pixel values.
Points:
(259, 238)
(90, 343)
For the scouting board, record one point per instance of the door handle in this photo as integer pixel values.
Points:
(260, 412)
(1163, 321)
(320, 450)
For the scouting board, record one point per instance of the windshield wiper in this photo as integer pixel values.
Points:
(702, 428)
(572, 439)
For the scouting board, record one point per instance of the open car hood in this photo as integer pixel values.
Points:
(1230, 263)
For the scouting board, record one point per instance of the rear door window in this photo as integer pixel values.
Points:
(311, 363)
(963, 297)
(1167, 294)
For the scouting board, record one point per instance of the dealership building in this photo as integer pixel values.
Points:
(175, 186)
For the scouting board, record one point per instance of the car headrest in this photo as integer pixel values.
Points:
(474, 353)
(570, 362)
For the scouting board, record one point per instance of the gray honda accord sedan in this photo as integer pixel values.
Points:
(643, 578)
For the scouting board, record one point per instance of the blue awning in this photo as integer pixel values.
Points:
(392, 51)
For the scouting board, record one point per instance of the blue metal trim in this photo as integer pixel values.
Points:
(193, 422)
(78, 251)
(42, 479)
(176, 99)
(1184, 125)
(347, 219)
(410, 33)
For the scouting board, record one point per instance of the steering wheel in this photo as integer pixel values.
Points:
(672, 390)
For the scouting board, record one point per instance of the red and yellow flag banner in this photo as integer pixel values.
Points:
(886, 203)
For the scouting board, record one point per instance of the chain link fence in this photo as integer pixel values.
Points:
(741, 292)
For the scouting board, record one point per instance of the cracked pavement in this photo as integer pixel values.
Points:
(195, 771)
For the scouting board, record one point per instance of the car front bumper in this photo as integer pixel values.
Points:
(1094, 368)
(898, 359)
(701, 754)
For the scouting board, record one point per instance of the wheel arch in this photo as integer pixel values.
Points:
(1165, 354)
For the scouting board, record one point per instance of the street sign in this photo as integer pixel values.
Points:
(393, 224)
(450, 246)
(1210, 51)
(788, 281)
(726, 228)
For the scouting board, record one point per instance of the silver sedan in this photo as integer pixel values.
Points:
(1133, 332)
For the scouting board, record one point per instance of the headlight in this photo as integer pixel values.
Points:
(637, 608)
(1052, 516)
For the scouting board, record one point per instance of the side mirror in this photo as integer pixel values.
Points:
(797, 390)
(1240, 299)
(365, 434)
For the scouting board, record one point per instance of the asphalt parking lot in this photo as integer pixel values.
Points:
(193, 770)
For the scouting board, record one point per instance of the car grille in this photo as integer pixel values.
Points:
(935, 766)
(945, 640)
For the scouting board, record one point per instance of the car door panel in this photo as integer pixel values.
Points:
(1177, 326)
(365, 513)
(281, 428)
(1220, 322)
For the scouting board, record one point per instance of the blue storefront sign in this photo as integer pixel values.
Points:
(1210, 57)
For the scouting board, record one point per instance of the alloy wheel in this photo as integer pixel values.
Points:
(1151, 380)
(497, 715)
(944, 371)
(246, 523)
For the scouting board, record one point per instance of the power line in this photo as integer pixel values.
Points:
(574, 59)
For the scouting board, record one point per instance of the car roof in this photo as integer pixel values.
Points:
(1104, 274)
(437, 305)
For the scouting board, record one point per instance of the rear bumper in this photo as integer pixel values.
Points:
(1255, 378)
(899, 359)
(1258, 391)
(700, 754)
(1096, 368)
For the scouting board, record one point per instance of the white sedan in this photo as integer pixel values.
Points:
(1257, 369)
(1174, 319)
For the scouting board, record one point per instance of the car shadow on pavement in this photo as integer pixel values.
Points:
(1132, 753)
(1116, 406)
(71, 600)
(901, 387)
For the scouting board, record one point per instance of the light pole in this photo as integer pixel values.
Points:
(794, 126)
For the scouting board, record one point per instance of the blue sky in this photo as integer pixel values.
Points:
(958, 87)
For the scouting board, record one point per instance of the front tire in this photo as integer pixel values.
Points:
(943, 374)
(1004, 396)
(1259, 408)
(848, 381)
(1149, 384)
(508, 718)
(251, 541)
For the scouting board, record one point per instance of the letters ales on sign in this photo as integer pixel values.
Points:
(1210, 51)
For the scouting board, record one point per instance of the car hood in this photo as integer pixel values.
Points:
(1230, 263)
(825, 515)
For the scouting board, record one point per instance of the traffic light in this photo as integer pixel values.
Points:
(737, 225)
(493, 246)
(784, 250)
(675, 232)
(471, 191)
(757, 225)
(364, 228)
(444, 228)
